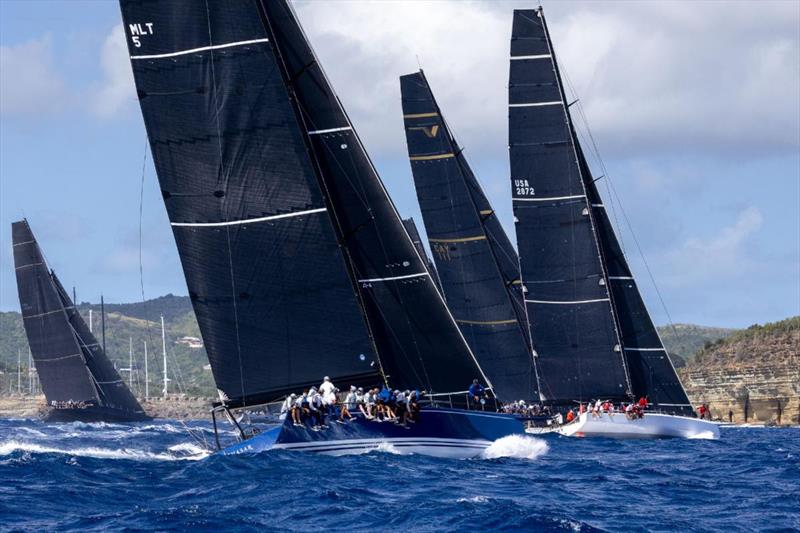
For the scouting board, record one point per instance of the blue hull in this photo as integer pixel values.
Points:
(439, 432)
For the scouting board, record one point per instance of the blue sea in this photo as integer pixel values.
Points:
(155, 476)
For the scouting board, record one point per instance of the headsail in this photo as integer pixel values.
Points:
(569, 306)
(71, 364)
(295, 258)
(265, 274)
(478, 267)
(416, 338)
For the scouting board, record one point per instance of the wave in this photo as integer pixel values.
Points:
(12, 446)
(516, 446)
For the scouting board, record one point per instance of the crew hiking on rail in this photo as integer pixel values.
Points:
(320, 405)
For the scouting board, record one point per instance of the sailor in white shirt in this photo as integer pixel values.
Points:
(287, 405)
(326, 387)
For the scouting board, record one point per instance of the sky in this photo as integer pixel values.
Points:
(694, 108)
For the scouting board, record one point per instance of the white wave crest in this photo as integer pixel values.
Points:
(474, 499)
(11, 446)
(516, 446)
(703, 435)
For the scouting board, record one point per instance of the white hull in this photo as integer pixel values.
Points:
(652, 425)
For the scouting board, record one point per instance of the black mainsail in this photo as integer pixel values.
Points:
(413, 232)
(477, 265)
(295, 257)
(592, 333)
(77, 378)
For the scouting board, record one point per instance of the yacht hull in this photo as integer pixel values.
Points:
(651, 425)
(449, 433)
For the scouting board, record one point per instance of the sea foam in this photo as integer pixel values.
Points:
(516, 446)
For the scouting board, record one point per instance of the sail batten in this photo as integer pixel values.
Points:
(476, 263)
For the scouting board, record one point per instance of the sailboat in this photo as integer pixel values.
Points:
(477, 265)
(296, 260)
(78, 380)
(592, 335)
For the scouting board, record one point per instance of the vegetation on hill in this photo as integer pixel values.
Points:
(782, 332)
(684, 340)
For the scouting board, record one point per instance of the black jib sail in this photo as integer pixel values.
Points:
(477, 264)
(77, 378)
(247, 135)
(592, 342)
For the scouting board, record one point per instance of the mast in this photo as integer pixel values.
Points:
(130, 363)
(30, 372)
(103, 320)
(19, 371)
(91, 322)
(146, 375)
(164, 353)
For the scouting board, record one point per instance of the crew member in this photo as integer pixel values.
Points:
(477, 395)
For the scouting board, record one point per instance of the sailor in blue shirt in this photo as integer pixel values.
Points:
(477, 392)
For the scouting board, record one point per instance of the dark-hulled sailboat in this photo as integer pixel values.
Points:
(296, 260)
(592, 334)
(477, 265)
(78, 380)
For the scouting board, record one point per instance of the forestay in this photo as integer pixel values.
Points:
(477, 265)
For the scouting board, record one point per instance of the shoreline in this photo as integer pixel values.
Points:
(174, 407)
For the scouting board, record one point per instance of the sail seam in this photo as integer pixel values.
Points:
(407, 276)
(575, 197)
(462, 239)
(330, 130)
(541, 56)
(620, 277)
(431, 157)
(41, 314)
(627, 349)
(248, 220)
(40, 360)
(563, 302)
(535, 104)
(487, 322)
(28, 265)
(201, 49)
(21, 243)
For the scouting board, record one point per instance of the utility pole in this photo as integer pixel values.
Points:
(74, 298)
(19, 371)
(164, 353)
(91, 326)
(146, 375)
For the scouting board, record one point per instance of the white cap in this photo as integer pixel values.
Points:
(352, 387)
(326, 378)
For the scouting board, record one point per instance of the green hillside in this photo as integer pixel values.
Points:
(126, 323)
(684, 340)
(140, 321)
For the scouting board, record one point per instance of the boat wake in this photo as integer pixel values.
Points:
(180, 452)
(703, 435)
(516, 446)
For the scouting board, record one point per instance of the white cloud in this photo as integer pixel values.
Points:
(652, 76)
(29, 84)
(116, 91)
(725, 256)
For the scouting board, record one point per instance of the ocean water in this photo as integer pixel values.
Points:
(155, 476)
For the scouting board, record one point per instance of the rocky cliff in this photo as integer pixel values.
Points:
(753, 375)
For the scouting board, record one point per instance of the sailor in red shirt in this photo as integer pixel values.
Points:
(643, 402)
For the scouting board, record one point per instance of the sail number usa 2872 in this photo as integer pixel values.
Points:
(522, 188)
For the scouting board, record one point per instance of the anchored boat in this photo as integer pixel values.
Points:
(296, 260)
(78, 380)
(591, 331)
